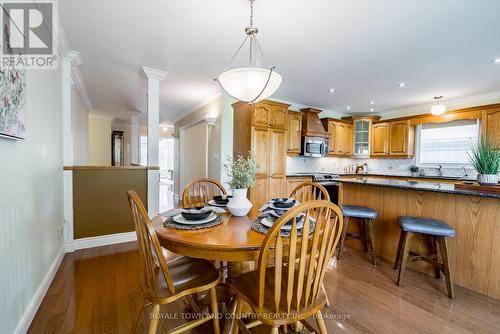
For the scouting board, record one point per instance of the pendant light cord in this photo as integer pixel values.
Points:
(251, 13)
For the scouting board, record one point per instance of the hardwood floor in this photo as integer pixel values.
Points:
(97, 291)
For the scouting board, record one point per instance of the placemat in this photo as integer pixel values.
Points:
(257, 226)
(169, 222)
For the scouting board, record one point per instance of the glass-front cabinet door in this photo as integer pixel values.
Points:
(362, 137)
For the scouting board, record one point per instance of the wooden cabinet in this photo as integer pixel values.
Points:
(380, 142)
(341, 136)
(259, 192)
(361, 137)
(491, 125)
(398, 141)
(393, 139)
(261, 139)
(294, 181)
(262, 128)
(294, 133)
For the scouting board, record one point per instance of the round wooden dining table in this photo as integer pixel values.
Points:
(233, 240)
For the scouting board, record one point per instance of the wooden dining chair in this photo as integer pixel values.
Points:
(311, 191)
(199, 191)
(289, 290)
(165, 282)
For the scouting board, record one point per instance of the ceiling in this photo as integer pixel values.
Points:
(362, 48)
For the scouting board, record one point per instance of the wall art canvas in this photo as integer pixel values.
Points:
(12, 95)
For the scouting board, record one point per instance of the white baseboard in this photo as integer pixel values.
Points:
(25, 321)
(102, 240)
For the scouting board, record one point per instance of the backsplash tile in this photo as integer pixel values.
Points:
(375, 166)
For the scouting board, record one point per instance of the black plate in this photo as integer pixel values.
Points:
(195, 215)
(284, 205)
(280, 199)
(220, 200)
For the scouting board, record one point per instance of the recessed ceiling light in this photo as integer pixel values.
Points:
(332, 90)
(402, 84)
(348, 107)
(372, 102)
(496, 60)
(371, 109)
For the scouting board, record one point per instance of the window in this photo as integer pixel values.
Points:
(143, 153)
(446, 143)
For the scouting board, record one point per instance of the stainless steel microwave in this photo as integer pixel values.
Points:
(314, 147)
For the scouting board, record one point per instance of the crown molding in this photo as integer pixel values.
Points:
(62, 44)
(452, 104)
(152, 73)
(199, 104)
(102, 117)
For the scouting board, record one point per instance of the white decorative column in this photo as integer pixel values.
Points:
(134, 138)
(70, 60)
(154, 78)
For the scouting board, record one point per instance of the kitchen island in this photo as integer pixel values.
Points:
(475, 216)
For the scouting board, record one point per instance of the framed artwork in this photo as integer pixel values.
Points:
(12, 95)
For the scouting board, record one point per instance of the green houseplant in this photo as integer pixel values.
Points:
(241, 174)
(413, 169)
(485, 158)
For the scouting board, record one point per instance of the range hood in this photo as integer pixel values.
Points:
(312, 125)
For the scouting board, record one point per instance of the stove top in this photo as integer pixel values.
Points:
(325, 177)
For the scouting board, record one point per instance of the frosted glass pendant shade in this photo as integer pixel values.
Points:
(248, 84)
(438, 109)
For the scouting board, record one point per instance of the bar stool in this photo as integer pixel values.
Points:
(438, 231)
(367, 215)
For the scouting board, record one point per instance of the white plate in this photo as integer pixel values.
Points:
(269, 222)
(181, 220)
(214, 203)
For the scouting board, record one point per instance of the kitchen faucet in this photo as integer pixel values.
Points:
(440, 170)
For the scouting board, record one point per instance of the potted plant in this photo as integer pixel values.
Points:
(486, 160)
(241, 173)
(414, 170)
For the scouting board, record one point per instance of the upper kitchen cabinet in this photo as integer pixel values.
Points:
(491, 125)
(341, 135)
(380, 142)
(401, 138)
(392, 139)
(294, 133)
(362, 127)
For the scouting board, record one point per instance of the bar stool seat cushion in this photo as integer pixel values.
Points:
(356, 211)
(426, 226)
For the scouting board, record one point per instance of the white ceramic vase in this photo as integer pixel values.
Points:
(487, 179)
(239, 205)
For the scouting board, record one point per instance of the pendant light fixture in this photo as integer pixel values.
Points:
(439, 108)
(256, 81)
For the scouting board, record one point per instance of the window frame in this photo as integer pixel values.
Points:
(420, 164)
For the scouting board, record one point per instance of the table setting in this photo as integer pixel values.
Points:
(199, 217)
(272, 210)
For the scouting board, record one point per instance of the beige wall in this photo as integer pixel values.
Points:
(31, 198)
(100, 140)
(80, 128)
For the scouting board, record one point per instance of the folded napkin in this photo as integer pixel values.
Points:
(171, 213)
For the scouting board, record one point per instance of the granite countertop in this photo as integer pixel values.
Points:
(414, 185)
(444, 177)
